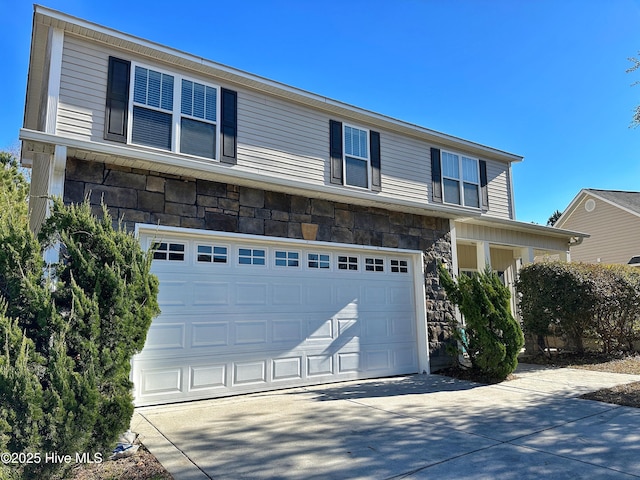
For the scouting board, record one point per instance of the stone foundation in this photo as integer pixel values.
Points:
(143, 196)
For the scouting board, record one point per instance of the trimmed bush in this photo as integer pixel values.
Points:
(578, 301)
(490, 336)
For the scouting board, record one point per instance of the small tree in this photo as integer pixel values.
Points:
(490, 335)
(67, 347)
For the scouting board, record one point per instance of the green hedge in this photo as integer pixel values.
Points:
(578, 301)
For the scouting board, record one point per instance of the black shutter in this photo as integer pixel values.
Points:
(115, 121)
(335, 151)
(484, 191)
(436, 176)
(376, 180)
(229, 127)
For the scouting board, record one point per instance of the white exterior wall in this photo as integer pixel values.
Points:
(274, 135)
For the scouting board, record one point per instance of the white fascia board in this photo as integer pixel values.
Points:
(525, 227)
(569, 210)
(142, 46)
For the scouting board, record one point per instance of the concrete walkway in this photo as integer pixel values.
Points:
(419, 426)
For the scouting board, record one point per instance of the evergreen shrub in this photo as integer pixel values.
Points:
(490, 336)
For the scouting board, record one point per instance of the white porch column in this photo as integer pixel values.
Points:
(57, 171)
(483, 255)
(564, 256)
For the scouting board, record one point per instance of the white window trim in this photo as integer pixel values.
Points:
(176, 113)
(286, 259)
(461, 180)
(344, 156)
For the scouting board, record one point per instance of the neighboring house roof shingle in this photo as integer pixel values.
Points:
(628, 200)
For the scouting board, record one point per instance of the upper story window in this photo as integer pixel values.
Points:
(152, 108)
(356, 157)
(168, 111)
(187, 124)
(460, 180)
(198, 124)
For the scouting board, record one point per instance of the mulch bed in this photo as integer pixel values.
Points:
(141, 466)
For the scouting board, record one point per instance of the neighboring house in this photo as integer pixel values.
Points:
(296, 237)
(612, 219)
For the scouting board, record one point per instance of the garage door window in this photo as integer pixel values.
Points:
(168, 251)
(318, 260)
(212, 254)
(251, 256)
(399, 266)
(374, 264)
(287, 259)
(347, 263)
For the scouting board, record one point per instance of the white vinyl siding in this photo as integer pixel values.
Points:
(283, 139)
(499, 189)
(275, 137)
(83, 86)
(615, 233)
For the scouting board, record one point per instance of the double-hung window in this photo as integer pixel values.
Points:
(170, 111)
(174, 113)
(460, 180)
(198, 123)
(356, 156)
(152, 108)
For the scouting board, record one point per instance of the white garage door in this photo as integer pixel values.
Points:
(245, 314)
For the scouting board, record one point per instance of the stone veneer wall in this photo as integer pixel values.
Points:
(143, 196)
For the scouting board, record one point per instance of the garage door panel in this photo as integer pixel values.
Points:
(250, 332)
(208, 294)
(251, 372)
(318, 294)
(377, 359)
(319, 365)
(209, 334)
(207, 377)
(231, 328)
(287, 368)
(349, 362)
(171, 294)
(250, 293)
(166, 336)
(287, 330)
(320, 329)
(286, 294)
(162, 381)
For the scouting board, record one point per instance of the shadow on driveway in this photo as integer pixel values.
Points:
(420, 426)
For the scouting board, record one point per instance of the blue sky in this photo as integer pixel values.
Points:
(544, 79)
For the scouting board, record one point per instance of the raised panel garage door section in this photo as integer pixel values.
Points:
(245, 314)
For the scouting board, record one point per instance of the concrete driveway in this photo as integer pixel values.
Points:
(419, 426)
